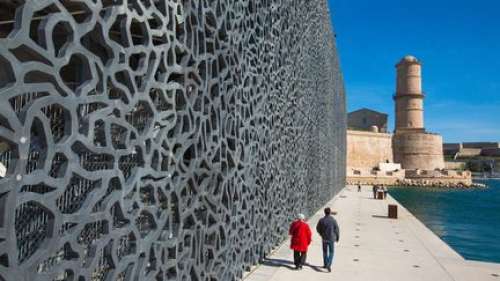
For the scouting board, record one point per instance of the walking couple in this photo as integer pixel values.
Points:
(327, 228)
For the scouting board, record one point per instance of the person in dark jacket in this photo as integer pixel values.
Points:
(375, 189)
(329, 231)
(301, 238)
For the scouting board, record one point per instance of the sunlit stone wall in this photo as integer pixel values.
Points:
(368, 149)
(418, 151)
(161, 139)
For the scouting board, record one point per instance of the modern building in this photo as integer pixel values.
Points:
(162, 139)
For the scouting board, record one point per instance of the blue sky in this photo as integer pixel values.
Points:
(458, 42)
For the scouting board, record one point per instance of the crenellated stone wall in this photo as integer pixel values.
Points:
(439, 178)
(370, 176)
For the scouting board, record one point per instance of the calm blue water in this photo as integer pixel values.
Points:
(468, 220)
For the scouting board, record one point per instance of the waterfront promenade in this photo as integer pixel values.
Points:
(373, 247)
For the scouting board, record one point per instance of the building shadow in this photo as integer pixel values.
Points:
(278, 263)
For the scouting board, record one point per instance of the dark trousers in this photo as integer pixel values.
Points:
(328, 250)
(299, 258)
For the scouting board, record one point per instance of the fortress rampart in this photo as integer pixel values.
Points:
(418, 150)
(368, 149)
(412, 146)
(419, 153)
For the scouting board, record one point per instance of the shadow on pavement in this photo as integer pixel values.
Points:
(287, 264)
(315, 268)
(278, 263)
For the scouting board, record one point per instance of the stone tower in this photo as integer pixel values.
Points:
(412, 146)
(409, 98)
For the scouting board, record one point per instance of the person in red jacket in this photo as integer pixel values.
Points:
(301, 238)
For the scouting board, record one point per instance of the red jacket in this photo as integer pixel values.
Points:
(301, 236)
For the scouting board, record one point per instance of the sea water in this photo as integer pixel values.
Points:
(467, 220)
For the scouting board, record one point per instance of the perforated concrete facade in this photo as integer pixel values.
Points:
(161, 139)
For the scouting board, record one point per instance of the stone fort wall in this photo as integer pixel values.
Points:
(418, 151)
(162, 140)
(367, 149)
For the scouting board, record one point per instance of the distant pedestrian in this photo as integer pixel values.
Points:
(359, 187)
(375, 189)
(328, 229)
(384, 189)
(301, 239)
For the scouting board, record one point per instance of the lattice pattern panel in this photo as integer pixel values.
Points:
(160, 140)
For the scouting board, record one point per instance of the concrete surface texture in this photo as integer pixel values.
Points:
(373, 247)
(162, 140)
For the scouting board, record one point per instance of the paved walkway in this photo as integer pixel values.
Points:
(373, 247)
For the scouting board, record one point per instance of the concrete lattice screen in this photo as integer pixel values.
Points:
(160, 139)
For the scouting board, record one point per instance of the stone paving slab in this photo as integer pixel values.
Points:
(374, 247)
